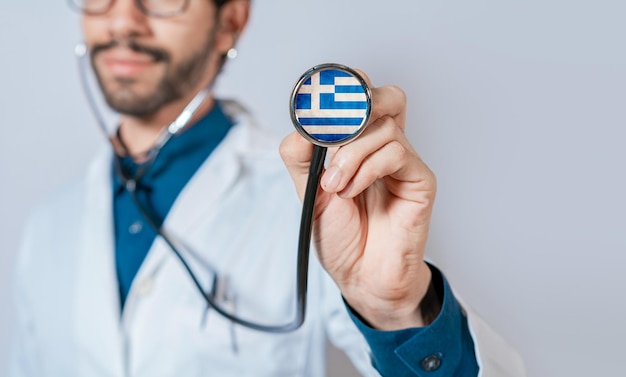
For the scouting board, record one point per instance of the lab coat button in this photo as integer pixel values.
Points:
(431, 363)
(145, 287)
(135, 227)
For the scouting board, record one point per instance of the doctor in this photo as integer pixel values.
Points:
(98, 293)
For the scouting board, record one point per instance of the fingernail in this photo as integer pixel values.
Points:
(331, 179)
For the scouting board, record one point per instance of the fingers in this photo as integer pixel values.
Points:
(360, 155)
(382, 150)
(386, 161)
(384, 136)
(387, 100)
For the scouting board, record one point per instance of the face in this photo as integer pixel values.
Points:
(143, 63)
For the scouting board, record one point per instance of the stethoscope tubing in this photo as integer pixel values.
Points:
(306, 221)
(304, 242)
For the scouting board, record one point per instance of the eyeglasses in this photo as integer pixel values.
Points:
(155, 8)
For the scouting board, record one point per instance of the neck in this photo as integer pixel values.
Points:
(139, 134)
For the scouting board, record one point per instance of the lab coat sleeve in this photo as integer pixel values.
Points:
(495, 356)
(340, 329)
(24, 356)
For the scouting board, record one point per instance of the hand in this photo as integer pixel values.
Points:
(372, 215)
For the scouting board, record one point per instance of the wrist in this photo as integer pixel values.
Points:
(418, 308)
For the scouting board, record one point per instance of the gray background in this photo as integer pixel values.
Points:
(519, 107)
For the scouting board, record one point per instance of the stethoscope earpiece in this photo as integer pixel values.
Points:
(330, 105)
(80, 49)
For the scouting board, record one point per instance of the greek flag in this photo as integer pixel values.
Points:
(331, 105)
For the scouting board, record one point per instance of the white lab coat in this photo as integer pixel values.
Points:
(239, 214)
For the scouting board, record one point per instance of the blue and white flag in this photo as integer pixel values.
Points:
(331, 105)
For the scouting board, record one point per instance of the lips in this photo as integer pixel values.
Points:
(126, 63)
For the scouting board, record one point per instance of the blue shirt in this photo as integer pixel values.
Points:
(157, 190)
(444, 348)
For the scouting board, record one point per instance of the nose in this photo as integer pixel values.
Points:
(126, 20)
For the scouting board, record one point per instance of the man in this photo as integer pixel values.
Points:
(99, 293)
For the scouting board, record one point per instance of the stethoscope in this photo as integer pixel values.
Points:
(330, 105)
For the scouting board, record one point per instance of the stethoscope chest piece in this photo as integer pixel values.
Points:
(330, 105)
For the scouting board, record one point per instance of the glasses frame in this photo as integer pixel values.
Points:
(139, 3)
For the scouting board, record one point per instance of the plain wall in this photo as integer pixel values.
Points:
(518, 107)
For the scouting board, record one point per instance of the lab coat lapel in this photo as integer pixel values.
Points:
(209, 184)
(205, 190)
(212, 181)
(214, 178)
(97, 330)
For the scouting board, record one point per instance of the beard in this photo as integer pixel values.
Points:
(176, 82)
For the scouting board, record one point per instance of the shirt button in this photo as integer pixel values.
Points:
(431, 363)
(135, 227)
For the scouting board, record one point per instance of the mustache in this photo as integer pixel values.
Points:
(157, 54)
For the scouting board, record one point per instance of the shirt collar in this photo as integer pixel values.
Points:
(197, 140)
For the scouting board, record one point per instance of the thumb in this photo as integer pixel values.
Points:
(296, 154)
